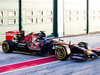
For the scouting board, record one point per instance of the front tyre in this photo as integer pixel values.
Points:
(84, 45)
(62, 52)
(8, 46)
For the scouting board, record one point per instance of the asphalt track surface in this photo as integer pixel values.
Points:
(69, 67)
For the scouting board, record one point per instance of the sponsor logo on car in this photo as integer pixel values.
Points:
(54, 46)
(77, 57)
(9, 34)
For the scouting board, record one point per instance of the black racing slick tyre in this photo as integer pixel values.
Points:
(8, 46)
(62, 52)
(84, 45)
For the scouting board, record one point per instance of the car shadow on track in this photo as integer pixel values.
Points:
(32, 53)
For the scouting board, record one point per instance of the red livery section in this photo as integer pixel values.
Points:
(26, 64)
(10, 34)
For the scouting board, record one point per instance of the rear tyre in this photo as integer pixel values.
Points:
(8, 46)
(84, 45)
(61, 53)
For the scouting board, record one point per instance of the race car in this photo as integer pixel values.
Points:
(35, 42)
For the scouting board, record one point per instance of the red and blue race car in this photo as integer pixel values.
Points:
(37, 42)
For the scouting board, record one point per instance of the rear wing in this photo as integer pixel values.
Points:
(10, 34)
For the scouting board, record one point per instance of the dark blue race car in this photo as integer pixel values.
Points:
(37, 42)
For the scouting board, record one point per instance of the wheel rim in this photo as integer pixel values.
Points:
(60, 53)
(5, 47)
